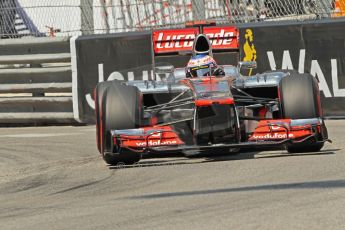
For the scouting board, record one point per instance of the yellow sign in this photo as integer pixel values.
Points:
(249, 48)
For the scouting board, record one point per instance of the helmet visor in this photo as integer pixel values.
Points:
(200, 71)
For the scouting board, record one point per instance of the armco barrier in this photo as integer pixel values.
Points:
(316, 47)
(96, 58)
(35, 78)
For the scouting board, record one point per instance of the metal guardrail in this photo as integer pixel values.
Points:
(35, 58)
(36, 81)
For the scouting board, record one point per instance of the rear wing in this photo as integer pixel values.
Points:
(181, 41)
(175, 46)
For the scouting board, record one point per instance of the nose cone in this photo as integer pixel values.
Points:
(202, 45)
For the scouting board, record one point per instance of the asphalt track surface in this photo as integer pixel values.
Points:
(53, 178)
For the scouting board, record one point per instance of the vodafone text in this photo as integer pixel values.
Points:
(156, 143)
(271, 136)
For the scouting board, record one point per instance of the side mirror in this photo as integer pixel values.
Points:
(164, 69)
(247, 65)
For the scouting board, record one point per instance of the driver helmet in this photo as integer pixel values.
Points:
(201, 65)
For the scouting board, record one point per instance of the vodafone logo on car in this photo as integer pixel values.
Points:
(155, 143)
(166, 41)
(271, 136)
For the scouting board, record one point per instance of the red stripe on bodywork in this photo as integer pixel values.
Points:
(208, 102)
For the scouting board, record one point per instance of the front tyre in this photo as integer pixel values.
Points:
(98, 95)
(121, 109)
(299, 98)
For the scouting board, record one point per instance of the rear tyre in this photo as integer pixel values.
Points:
(299, 95)
(121, 109)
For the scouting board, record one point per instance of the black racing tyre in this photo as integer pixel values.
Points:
(126, 158)
(299, 95)
(121, 109)
(305, 147)
(98, 95)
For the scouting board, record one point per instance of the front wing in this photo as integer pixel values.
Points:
(268, 134)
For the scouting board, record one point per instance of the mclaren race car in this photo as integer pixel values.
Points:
(213, 113)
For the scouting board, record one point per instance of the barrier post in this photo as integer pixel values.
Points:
(87, 22)
(198, 8)
(7, 18)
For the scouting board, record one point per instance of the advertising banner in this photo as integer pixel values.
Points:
(315, 48)
(124, 56)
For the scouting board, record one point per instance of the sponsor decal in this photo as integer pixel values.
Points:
(272, 136)
(249, 48)
(222, 37)
(166, 41)
(201, 61)
(156, 137)
(156, 134)
(276, 127)
(156, 143)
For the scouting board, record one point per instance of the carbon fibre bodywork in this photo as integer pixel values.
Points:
(204, 114)
(269, 79)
